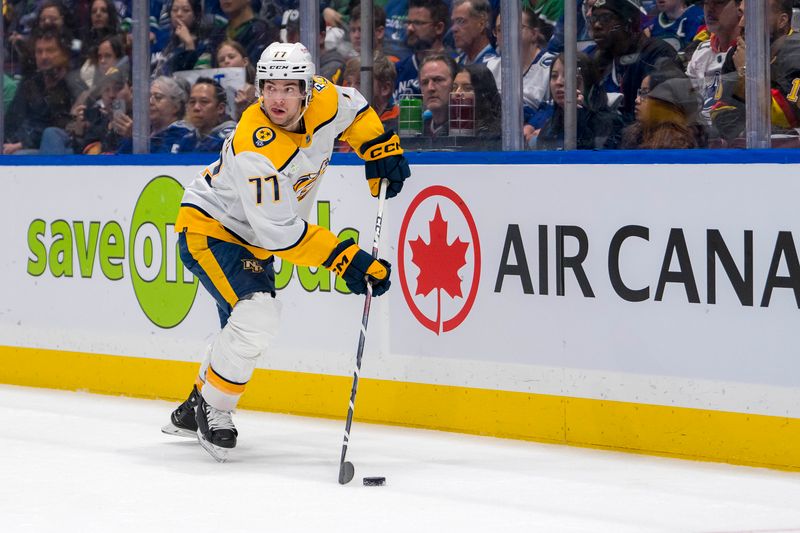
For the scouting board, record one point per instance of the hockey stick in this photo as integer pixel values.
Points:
(346, 468)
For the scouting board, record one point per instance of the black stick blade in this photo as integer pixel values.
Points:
(346, 473)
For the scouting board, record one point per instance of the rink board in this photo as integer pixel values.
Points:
(636, 307)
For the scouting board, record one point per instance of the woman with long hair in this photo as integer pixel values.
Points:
(667, 106)
(478, 80)
(597, 126)
(190, 40)
(231, 53)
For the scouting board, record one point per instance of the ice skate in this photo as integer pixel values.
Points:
(182, 422)
(215, 430)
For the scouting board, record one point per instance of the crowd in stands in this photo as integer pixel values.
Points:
(651, 74)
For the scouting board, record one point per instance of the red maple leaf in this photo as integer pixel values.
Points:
(438, 262)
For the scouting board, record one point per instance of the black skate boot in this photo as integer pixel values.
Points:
(215, 430)
(182, 422)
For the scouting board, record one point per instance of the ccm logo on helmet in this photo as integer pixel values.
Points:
(278, 67)
(384, 149)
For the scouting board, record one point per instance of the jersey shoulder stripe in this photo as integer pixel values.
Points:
(256, 133)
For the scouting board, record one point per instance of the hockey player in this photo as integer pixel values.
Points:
(253, 203)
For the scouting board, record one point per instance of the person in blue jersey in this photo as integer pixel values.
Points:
(624, 55)
(254, 203)
(167, 127)
(677, 23)
(206, 111)
(425, 30)
(470, 25)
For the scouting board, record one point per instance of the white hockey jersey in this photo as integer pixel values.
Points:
(705, 71)
(261, 190)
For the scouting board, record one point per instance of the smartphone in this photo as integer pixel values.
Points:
(118, 107)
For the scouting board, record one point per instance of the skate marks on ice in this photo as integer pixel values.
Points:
(84, 463)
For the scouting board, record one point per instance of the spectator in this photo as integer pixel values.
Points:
(597, 126)
(90, 129)
(232, 54)
(535, 33)
(436, 75)
(109, 52)
(394, 37)
(9, 90)
(677, 23)
(253, 33)
(206, 112)
(104, 23)
(383, 82)
(190, 41)
(51, 14)
(470, 20)
(43, 99)
(728, 115)
(167, 107)
(425, 29)
(666, 113)
(705, 66)
(378, 25)
(624, 55)
(478, 80)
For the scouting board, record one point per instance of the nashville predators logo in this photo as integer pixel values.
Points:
(305, 183)
(263, 136)
(253, 265)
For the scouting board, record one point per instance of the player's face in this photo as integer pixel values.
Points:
(721, 15)
(228, 56)
(283, 101)
(435, 82)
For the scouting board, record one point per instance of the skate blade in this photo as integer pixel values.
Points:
(172, 429)
(219, 454)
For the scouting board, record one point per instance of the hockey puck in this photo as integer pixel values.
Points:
(374, 481)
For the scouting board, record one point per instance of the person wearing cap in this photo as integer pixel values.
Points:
(167, 108)
(624, 54)
(667, 108)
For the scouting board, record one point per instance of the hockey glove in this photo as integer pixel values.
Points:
(383, 158)
(355, 266)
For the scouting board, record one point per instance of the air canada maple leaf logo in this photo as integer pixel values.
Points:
(438, 261)
(438, 257)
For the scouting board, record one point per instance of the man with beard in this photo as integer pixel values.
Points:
(728, 114)
(425, 29)
(624, 55)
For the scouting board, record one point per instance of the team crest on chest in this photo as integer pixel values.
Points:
(253, 265)
(263, 136)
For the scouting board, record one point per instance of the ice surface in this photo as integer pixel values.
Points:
(77, 462)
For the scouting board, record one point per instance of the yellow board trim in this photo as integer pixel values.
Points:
(737, 438)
